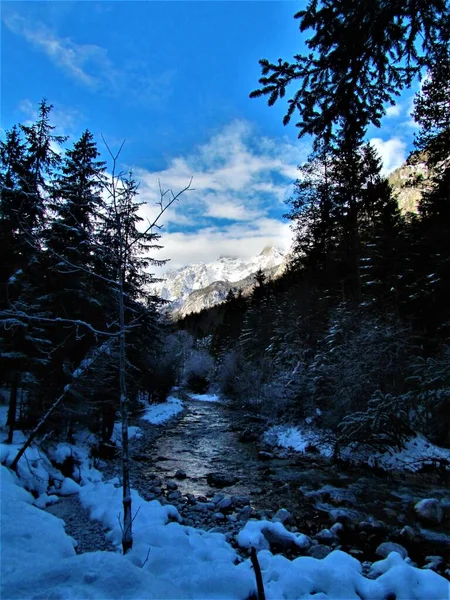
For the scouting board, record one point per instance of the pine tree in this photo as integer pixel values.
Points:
(362, 53)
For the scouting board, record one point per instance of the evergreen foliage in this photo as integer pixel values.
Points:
(69, 240)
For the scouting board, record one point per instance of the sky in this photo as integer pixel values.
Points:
(173, 79)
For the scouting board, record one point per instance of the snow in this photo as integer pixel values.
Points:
(39, 561)
(418, 452)
(133, 432)
(168, 560)
(256, 533)
(159, 413)
(69, 487)
(297, 439)
(205, 397)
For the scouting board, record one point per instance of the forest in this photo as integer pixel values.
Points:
(352, 339)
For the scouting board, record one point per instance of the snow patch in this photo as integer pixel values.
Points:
(205, 397)
(160, 413)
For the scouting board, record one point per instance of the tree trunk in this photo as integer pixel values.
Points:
(84, 365)
(127, 535)
(12, 409)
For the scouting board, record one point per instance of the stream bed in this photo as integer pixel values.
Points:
(187, 461)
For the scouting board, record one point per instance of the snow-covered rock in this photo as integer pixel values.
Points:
(429, 510)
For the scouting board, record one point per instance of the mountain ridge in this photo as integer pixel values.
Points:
(202, 285)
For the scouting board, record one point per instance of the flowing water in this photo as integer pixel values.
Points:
(205, 439)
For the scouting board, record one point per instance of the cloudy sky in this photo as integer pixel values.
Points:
(173, 79)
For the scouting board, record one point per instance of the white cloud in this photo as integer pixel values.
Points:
(90, 65)
(392, 152)
(239, 184)
(394, 111)
(242, 240)
(74, 59)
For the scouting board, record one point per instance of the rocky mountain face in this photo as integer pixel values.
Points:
(193, 288)
(409, 181)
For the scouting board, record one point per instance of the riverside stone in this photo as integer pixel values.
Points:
(430, 511)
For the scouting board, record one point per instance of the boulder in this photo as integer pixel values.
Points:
(429, 511)
(221, 480)
(171, 485)
(284, 516)
(175, 495)
(326, 537)
(319, 551)
(226, 504)
(386, 548)
(180, 474)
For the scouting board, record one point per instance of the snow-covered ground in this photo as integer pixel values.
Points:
(159, 413)
(168, 560)
(206, 397)
(418, 451)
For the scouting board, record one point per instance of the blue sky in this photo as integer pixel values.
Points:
(173, 79)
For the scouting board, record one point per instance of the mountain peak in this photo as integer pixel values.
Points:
(182, 286)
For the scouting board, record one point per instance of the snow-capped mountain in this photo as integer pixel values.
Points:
(192, 288)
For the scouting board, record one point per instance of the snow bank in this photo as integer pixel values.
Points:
(205, 397)
(257, 534)
(34, 469)
(133, 432)
(418, 452)
(169, 560)
(159, 413)
(298, 439)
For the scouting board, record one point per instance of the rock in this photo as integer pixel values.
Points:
(217, 498)
(240, 501)
(221, 480)
(256, 491)
(245, 513)
(248, 435)
(226, 504)
(319, 551)
(175, 495)
(155, 490)
(202, 498)
(408, 534)
(430, 511)
(284, 516)
(337, 529)
(265, 455)
(171, 485)
(326, 537)
(434, 563)
(373, 527)
(219, 516)
(386, 548)
(190, 498)
(200, 507)
(180, 474)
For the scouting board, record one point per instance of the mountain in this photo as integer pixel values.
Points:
(409, 181)
(192, 288)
